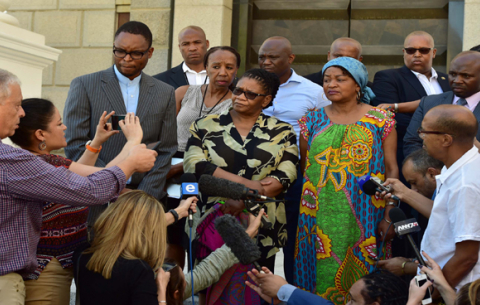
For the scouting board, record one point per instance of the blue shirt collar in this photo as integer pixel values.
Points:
(293, 78)
(125, 80)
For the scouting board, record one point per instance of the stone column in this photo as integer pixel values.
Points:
(471, 24)
(213, 16)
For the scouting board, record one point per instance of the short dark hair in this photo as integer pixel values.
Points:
(175, 283)
(136, 28)
(38, 114)
(384, 287)
(221, 48)
(269, 81)
(475, 48)
(422, 161)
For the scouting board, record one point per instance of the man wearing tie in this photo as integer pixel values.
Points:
(464, 78)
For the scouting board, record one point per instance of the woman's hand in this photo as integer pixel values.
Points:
(254, 223)
(256, 185)
(104, 130)
(162, 281)
(233, 207)
(188, 204)
(436, 275)
(131, 128)
(415, 293)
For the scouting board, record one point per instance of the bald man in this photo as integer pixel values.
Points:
(193, 45)
(464, 78)
(341, 47)
(295, 97)
(452, 237)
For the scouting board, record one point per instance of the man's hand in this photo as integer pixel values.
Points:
(233, 207)
(398, 189)
(382, 230)
(255, 277)
(131, 128)
(143, 159)
(256, 185)
(394, 265)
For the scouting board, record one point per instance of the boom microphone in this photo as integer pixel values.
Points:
(189, 188)
(404, 226)
(212, 186)
(235, 237)
(369, 185)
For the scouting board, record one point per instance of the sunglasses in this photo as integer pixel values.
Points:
(422, 132)
(248, 94)
(423, 51)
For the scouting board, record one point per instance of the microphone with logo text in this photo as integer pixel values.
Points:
(189, 188)
(235, 237)
(404, 226)
(212, 186)
(369, 185)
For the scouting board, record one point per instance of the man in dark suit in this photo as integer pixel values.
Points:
(124, 88)
(343, 46)
(193, 45)
(464, 78)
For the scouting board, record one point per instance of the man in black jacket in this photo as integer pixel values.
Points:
(193, 45)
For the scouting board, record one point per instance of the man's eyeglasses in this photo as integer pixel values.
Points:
(134, 54)
(423, 51)
(248, 94)
(422, 132)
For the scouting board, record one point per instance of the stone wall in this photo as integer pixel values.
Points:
(84, 31)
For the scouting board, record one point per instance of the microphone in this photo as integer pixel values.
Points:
(404, 226)
(235, 237)
(189, 188)
(212, 186)
(369, 185)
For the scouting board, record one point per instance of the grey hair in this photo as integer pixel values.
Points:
(6, 79)
(422, 161)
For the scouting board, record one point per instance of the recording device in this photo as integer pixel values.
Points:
(212, 186)
(154, 146)
(421, 280)
(168, 266)
(404, 226)
(235, 237)
(116, 118)
(189, 188)
(369, 185)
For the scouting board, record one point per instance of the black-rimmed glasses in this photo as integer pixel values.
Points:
(248, 94)
(134, 54)
(423, 51)
(421, 132)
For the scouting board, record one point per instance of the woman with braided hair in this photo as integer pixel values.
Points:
(379, 288)
(246, 146)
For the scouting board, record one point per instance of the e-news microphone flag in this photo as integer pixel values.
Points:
(189, 188)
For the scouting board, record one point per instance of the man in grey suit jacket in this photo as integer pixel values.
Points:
(124, 88)
(464, 78)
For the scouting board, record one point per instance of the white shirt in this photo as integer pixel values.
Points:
(294, 99)
(472, 101)
(456, 211)
(431, 85)
(194, 77)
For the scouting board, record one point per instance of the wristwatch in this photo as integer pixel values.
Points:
(90, 148)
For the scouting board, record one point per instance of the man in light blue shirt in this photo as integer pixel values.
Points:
(295, 97)
(130, 90)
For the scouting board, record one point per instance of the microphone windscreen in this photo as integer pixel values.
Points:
(212, 186)
(369, 188)
(396, 215)
(188, 177)
(235, 237)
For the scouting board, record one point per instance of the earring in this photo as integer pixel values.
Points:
(42, 145)
(359, 96)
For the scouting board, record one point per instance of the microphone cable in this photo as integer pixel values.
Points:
(191, 262)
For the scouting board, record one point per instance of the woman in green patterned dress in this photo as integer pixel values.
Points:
(338, 224)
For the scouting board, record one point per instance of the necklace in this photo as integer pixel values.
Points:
(203, 101)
